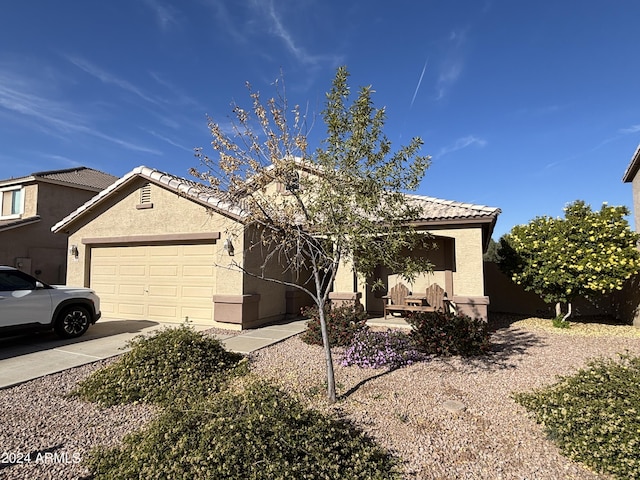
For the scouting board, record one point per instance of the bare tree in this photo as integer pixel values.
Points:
(344, 203)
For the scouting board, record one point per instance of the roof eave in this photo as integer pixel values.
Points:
(632, 168)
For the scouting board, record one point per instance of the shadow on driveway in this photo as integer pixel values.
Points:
(27, 343)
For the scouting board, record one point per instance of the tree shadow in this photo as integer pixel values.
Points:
(509, 344)
(364, 381)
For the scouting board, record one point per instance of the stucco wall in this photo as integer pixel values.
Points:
(171, 214)
(46, 252)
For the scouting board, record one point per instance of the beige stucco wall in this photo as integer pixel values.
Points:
(171, 214)
(467, 270)
(45, 253)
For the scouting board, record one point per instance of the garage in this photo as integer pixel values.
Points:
(166, 283)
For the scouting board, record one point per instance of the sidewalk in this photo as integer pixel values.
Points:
(26, 357)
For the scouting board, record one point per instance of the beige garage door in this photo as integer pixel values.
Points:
(168, 283)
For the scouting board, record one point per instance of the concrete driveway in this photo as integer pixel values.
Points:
(25, 357)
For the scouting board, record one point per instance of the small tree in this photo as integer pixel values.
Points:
(586, 253)
(341, 203)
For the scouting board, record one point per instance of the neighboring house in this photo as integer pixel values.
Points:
(30, 205)
(631, 176)
(629, 302)
(149, 245)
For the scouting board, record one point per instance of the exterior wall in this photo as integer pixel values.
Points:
(170, 214)
(635, 187)
(467, 275)
(41, 252)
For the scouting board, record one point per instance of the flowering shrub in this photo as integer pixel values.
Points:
(442, 333)
(586, 253)
(371, 349)
(593, 415)
(342, 324)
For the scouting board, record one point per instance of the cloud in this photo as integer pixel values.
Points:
(168, 140)
(452, 66)
(448, 76)
(460, 143)
(106, 77)
(631, 129)
(166, 16)
(20, 96)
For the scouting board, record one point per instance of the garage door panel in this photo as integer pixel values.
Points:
(170, 291)
(159, 282)
(205, 271)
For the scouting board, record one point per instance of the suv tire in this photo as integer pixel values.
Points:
(72, 322)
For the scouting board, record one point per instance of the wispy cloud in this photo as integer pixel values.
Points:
(22, 98)
(452, 66)
(631, 129)
(166, 15)
(168, 140)
(463, 142)
(108, 78)
(448, 76)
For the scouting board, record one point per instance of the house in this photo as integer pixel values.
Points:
(30, 205)
(154, 247)
(631, 176)
(629, 301)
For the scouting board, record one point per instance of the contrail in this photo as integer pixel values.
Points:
(424, 69)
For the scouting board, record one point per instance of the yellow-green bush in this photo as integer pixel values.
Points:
(594, 415)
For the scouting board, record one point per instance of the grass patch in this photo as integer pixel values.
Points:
(594, 415)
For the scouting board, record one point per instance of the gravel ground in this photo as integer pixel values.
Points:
(493, 438)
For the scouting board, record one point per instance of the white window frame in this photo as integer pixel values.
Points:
(21, 206)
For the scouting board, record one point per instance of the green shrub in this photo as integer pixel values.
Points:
(446, 334)
(391, 348)
(594, 415)
(170, 364)
(558, 322)
(342, 324)
(254, 432)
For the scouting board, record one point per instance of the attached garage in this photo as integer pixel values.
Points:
(154, 282)
(152, 247)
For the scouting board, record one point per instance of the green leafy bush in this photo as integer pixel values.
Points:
(559, 322)
(391, 348)
(342, 324)
(171, 364)
(594, 415)
(254, 431)
(446, 334)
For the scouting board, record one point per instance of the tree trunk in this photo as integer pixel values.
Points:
(559, 311)
(331, 381)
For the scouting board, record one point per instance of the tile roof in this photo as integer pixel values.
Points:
(196, 191)
(435, 209)
(82, 176)
(17, 222)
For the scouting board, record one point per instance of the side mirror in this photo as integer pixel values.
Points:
(39, 285)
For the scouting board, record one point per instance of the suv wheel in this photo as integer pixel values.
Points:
(72, 322)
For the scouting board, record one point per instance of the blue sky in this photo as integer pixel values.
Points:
(525, 106)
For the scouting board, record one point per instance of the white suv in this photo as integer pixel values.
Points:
(26, 303)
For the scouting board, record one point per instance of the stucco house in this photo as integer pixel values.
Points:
(30, 205)
(149, 245)
(629, 301)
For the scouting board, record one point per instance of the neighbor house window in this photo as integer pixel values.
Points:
(12, 202)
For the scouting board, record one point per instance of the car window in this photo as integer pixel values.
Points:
(10, 281)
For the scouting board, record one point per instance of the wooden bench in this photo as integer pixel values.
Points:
(400, 300)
